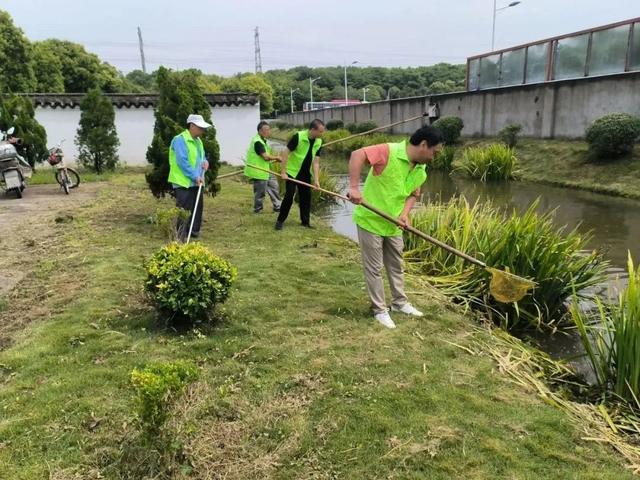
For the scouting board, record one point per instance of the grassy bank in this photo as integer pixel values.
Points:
(45, 175)
(296, 380)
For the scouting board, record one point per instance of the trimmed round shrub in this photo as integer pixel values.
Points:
(187, 280)
(613, 135)
(366, 126)
(334, 125)
(352, 127)
(451, 128)
(509, 134)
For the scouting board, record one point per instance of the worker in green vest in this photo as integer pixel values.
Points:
(260, 155)
(396, 173)
(187, 164)
(302, 155)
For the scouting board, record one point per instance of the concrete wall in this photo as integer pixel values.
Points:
(556, 109)
(235, 126)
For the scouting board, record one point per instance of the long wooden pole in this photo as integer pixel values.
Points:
(384, 127)
(388, 217)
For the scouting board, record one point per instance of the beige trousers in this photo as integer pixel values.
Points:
(377, 252)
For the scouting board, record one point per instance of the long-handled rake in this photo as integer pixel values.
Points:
(505, 287)
(384, 127)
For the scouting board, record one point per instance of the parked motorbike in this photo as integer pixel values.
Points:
(14, 169)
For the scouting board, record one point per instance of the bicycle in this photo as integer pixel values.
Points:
(66, 177)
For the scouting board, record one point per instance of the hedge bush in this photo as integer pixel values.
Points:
(186, 281)
(451, 128)
(157, 386)
(509, 134)
(613, 135)
(334, 125)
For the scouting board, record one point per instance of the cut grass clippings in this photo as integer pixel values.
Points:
(296, 380)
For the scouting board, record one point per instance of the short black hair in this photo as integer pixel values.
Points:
(432, 135)
(315, 124)
(262, 124)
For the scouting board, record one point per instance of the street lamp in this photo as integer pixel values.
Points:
(311, 80)
(364, 94)
(493, 30)
(291, 93)
(346, 94)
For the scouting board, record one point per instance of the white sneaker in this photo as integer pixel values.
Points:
(408, 309)
(385, 319)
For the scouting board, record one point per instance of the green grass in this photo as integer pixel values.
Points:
(45, 175)
(296, 380)
(567, 163)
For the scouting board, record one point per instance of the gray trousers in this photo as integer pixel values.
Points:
(377, 252)
(271, 188)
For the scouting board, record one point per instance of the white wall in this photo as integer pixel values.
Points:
(235, 126)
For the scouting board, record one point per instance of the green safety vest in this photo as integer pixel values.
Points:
(256, 160)
(194, 147)
(295, 159)
(389, 191)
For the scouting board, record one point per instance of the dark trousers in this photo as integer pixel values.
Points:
(304, 197)
(186, 199)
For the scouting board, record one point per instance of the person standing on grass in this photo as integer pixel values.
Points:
(302, 154)
(397, 171)
(187, 165)
(259, 155)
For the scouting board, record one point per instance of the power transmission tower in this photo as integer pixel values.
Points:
(257, 52)
(144, 65)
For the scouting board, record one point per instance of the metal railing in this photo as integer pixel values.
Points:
(605, 50)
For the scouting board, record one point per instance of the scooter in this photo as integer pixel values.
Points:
(14, 170)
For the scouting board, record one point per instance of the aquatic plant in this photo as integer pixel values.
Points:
(527, 244)
(493, 162)
(611, 339)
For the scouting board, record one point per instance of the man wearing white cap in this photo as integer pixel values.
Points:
(187, 165)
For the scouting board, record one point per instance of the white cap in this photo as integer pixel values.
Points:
(198, 121)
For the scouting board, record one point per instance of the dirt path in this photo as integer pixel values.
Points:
(27, 226)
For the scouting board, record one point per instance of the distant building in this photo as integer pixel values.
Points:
(332, 104)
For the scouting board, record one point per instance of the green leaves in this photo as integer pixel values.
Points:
(157, 386)
(613, 135)
(97, 139)
(526, 243)
(188, 280)
(451, 128)
(180, 95)
(494, 162)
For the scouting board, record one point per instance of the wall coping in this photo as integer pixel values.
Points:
(136, 100)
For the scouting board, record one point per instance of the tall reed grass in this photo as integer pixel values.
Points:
(493, 162)
(611, 338)
(527, 244)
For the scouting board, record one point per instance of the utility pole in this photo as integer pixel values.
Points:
(291, 94)
(144, 65)
(257, 51)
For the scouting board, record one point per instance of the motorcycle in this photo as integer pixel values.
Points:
(14, 169)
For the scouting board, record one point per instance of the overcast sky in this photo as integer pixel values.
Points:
(218, 36)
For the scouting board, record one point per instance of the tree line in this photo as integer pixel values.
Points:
(60, 66)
